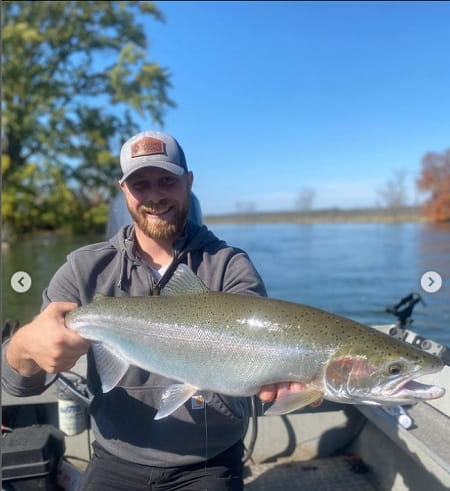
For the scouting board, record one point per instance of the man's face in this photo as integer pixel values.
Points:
(158, 201)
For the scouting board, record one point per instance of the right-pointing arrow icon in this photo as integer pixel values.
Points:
(431, 282)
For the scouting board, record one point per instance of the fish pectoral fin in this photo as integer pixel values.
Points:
(110, 366)
(173, 397)
(290, 401)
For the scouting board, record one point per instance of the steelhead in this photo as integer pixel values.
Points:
(234, 344)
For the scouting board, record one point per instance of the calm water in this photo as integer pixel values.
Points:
(355, 270)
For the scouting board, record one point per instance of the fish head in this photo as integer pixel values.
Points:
(381, 374)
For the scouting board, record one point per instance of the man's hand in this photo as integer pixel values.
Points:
(45, 343)
(271, 392)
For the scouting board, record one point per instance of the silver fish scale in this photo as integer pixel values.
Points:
(206, 340)
(230, 343)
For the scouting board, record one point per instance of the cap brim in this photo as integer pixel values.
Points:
(168, 166)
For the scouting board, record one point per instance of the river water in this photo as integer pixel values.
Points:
(351, 269)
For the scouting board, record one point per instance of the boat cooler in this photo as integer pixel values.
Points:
(30, 458)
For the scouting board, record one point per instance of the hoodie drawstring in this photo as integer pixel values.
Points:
(124, 275)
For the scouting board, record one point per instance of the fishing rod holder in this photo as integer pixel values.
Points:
(403, 310)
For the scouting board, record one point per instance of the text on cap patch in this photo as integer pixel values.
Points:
(147, 146)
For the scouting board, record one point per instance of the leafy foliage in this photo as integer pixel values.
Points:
(75, 76)
(435, 180)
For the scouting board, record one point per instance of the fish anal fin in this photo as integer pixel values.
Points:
(173, 397)
(184, 281)
(289, 401)
(111, 367)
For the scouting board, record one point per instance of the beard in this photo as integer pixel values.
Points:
(161, 228)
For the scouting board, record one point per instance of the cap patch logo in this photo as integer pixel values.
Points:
(147, 146)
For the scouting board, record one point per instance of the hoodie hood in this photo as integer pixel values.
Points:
(193, 238)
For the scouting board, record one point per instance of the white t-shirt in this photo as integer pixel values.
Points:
(159, 272)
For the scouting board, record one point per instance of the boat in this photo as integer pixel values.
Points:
(332, 447)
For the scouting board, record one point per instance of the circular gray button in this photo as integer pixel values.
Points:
(431, 282)
(21, 281)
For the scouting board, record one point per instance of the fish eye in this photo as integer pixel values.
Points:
(395, 369)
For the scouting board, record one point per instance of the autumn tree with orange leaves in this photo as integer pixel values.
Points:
(435, 180)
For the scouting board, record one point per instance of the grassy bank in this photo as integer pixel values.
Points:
(332, 215)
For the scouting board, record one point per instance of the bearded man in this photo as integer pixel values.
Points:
(200, 445)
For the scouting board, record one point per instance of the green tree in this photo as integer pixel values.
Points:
(75, 77)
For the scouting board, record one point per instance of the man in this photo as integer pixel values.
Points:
(196, 447)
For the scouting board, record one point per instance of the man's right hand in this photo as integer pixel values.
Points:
(45, 343)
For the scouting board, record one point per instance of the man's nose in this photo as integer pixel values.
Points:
(154, 194)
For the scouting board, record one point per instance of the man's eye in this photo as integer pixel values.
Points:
(168, 182)
(138, 185)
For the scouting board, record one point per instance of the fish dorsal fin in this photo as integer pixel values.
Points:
(110, 366)
(184, 281)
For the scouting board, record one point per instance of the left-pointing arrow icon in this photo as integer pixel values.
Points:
(21, 281)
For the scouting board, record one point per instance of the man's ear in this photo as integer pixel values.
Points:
(190, 178)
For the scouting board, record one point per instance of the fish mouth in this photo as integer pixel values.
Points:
(406, 391)
(411, 390)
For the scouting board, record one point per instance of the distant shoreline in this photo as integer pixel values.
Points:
(332, 215)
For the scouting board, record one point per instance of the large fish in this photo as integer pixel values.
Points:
(235, 344)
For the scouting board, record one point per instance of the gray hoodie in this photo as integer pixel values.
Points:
(123, 418)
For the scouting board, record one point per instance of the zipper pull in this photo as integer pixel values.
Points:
(156, 289)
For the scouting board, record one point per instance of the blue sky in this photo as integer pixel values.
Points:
(275, 97)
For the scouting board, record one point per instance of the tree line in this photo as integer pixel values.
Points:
(433, 182)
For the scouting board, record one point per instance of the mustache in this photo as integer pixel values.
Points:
(151, 207)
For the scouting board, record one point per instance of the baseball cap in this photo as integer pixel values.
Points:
(152, 149)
